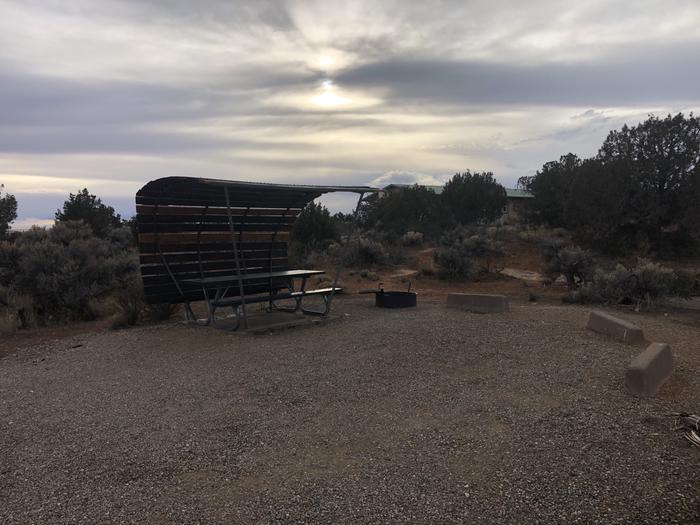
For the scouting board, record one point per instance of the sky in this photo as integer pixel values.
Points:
(109, 95)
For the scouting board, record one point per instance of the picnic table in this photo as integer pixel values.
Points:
(220, 285)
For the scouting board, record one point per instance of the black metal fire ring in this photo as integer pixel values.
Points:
(393, 299)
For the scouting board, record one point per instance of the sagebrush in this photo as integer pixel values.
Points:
(642, 285)
(574, 263)
(465, 251)
(66, 267)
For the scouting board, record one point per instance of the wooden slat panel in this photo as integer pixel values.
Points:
(177, 258)
(190, 238)
(223, 246)
(146, 210)
(230, 265)
(213, 219)
(230, 260)
(223, 227)
(164, 279)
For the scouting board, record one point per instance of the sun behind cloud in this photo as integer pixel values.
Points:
(325, 61)
(326, 97)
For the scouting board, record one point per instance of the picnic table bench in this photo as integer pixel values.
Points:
(225, 243)
(222, 284)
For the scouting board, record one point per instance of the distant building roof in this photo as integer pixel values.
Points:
(516, 193)
(511, 193)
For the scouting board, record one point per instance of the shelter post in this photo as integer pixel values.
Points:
(236, 258)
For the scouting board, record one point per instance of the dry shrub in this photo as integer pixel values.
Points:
(359, 251)
(369, 275)
(65, 268)
(161, 312)
(412, 238)
(129, 301)
(8, 323)
(464, 252)
(686, 284)
(643, 285)
(453, 263)
(542, 234)
(574, 263)
(16, 311)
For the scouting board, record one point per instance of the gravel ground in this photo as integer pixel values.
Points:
(428, 415)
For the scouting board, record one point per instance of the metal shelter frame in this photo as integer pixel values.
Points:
(180, 217)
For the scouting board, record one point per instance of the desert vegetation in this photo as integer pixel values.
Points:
(8, 211)
(82, 268)
(453, 220)
(639, 194)
(462, 248)
(604, 225)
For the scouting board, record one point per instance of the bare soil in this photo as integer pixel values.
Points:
(425, 415)
(420, 271)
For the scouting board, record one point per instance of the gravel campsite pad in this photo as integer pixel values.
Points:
(420, 415)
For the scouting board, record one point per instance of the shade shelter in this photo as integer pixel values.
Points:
(225, 242)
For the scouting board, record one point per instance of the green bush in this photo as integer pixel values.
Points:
(9, 257)
(16, 311)
(613, 287)
(542, 233)
(574, 263)
(8, 211)
(653, 282)
(129, 301)
(461, 248)
(395, 253)
(640, 190)
(88, 208)
(643, 285)
(473, 198)
(414, 208)
(686, 284)
(314, 230)
(65, 268)
(358, 252)
(453, 263)
(367, 274)
(585, 294)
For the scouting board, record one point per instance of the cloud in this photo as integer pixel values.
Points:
(110, 94)
(408, 177)
(639, 79)
(32, 98)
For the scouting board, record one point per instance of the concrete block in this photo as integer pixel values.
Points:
(619, 329)
(649, 370)
(479, 303)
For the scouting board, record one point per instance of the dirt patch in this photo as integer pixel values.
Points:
(523, 275)
(32, 341)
